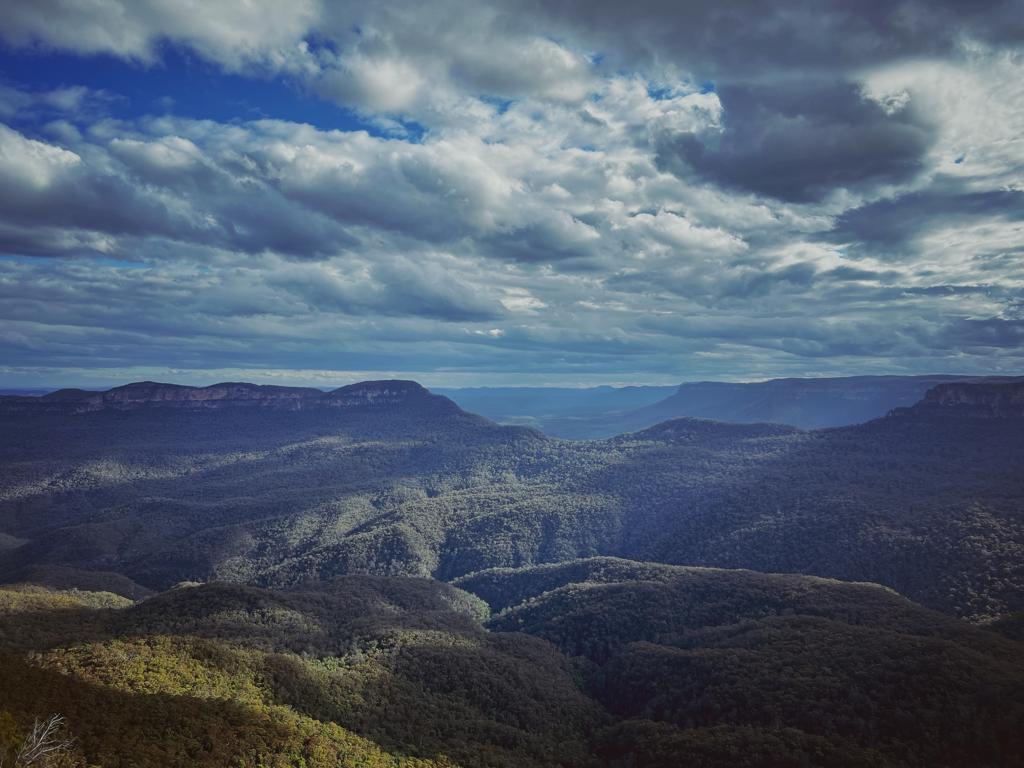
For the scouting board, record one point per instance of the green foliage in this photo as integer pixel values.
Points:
(926, 504)
(1011, 626)
(587, 663)
(224, 674)
(662, 745)
(706, 661)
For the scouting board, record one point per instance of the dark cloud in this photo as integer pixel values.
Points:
(980, 335)
(798, 142)
(49, 190)
(703, 189)
(748, 38)
(893, 226)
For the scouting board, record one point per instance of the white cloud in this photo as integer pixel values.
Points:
(30, 166)
(977, 105)
(234, 34)
(528, 210)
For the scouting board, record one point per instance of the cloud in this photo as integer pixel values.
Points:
(233, 34)
(745, 39)
(897, 227)
(393, 286)
(571, 189)
(802, 142)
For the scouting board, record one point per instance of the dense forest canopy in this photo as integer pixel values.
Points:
(377, 578)
(925, 500)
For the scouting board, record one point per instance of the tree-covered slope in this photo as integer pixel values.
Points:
(712, 666)
(928, 501)
(596, 663)
(360, 671)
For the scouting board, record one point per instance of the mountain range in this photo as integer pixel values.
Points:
(574, 413)
(374, 576)
(601, 412)
(151, 394)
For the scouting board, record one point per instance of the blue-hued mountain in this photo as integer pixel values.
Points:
(605, 411)
(407, 395)
(993, 398)
(804, 403)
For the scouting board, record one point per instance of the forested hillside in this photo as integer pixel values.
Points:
(926, 501)
(718, 666)
(592, 663)
(358, 672)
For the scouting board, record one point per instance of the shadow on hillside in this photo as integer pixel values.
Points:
(929, 508)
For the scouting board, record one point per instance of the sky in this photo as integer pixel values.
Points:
(509, 193)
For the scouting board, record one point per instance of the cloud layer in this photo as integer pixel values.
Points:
(708, 190)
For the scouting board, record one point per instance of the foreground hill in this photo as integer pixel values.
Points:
(601, 662)
(362, 671)
(927, 500)
(741, 668)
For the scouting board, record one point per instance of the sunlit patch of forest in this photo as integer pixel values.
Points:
(589, 663)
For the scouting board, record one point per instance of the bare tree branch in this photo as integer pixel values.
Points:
(44, 741)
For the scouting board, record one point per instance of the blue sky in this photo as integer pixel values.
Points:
(177, 82)
(508, 193)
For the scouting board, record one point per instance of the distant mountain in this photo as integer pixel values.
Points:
(923, 501)
(804, 403)
(149, 394)
(547, 408)
(985, 398)
(601, 412)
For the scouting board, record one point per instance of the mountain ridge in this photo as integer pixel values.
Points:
(148, 394)
(599, 413)
(927, 504)
(982, 398)
(599, 663)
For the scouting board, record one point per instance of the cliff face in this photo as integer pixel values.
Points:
(981, 398)
(149, 394)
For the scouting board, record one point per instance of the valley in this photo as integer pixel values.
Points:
(374, 576)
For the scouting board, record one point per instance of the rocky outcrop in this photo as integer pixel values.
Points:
(991, 398)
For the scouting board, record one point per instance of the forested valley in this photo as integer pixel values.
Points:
(378, 577)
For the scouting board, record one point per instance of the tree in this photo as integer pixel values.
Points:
(43, 744)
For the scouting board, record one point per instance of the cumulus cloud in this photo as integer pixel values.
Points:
(571, 189)
(261, 32)
(802, 142)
